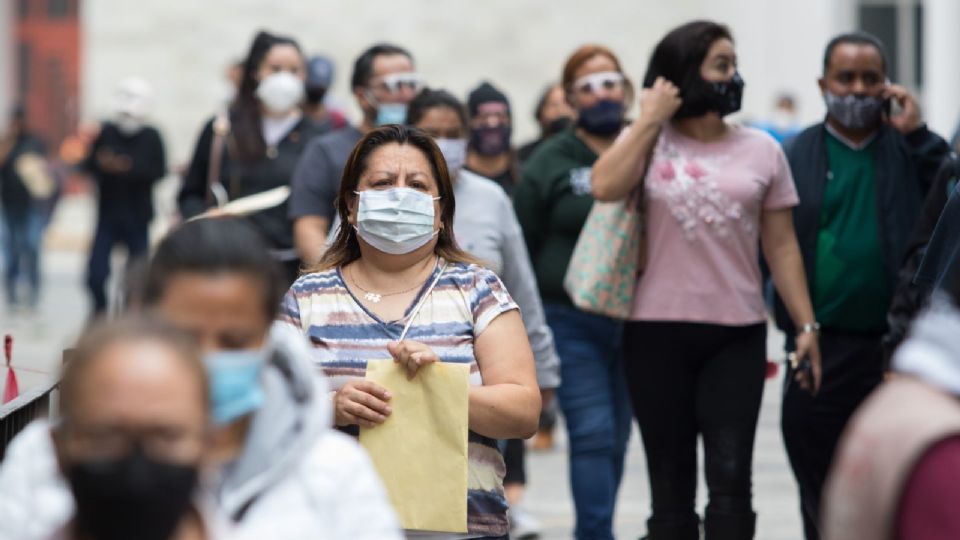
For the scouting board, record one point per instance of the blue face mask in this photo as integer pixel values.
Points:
(391, 113)
(234, 383)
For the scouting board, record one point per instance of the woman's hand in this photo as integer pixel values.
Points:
(412, 355)
(361, 402)
(659, 102)
(809, 348)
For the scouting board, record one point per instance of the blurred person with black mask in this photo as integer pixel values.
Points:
(125, 161)
(320, 71)
(553, 114)
(274, 465)
(489, 153)
(384, 81)
(133, 435)
(862, 175)
(253, 146)
(27, 194)
(552, 203)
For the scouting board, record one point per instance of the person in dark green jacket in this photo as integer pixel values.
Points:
(552, 201)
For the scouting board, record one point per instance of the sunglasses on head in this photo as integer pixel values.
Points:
(597, 82)
(395, 82)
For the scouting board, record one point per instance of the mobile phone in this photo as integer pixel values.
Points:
(802, 366)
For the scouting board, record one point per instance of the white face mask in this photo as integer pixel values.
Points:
(454, 152)
(280, 92)
(129, 125)
(395, 221)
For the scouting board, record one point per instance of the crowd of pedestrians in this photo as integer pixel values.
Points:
(225, 397)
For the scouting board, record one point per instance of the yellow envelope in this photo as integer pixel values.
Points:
(420, 451)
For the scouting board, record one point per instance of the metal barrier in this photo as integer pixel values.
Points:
(29, 405)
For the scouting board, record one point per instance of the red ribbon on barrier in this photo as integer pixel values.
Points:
(10, 389)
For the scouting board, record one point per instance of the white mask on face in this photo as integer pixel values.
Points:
(454, 152)
(129, 125)
(395, 221)
(280, 92)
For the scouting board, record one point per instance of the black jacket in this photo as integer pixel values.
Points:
(130, 194)
(905, 170)
(15, 198)
(243, 179)
(940, 267)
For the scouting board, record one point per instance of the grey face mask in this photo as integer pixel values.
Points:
(854, 112)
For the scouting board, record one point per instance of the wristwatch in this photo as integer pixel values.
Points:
(810, 327)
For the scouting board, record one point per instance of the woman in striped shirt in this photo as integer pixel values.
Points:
(395, 271)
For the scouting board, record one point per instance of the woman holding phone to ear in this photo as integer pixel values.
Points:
(695, 343)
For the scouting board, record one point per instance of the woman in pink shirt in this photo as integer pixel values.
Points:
(695, 343)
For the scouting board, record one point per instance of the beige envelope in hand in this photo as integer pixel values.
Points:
(420, 451)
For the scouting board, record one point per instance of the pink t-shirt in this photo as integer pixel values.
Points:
(704, 202)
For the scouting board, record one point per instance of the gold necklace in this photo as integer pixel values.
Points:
(374, 297)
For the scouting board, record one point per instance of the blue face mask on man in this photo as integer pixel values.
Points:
(391, 113)
(235, 382)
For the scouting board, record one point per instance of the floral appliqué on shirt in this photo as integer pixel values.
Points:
(688, 187)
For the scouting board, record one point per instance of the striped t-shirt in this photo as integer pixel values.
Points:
(345, 335)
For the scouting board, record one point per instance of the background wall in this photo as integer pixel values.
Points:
(183, 46)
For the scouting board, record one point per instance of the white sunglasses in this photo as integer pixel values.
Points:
(597, 82)
(395, 82)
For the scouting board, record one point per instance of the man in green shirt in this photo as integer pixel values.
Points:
(861, 175)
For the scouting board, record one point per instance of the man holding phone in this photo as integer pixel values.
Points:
(862, 176)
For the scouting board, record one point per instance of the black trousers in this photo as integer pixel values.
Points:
(812, 425)
(513, 457)
(688, 380)
(113, 229)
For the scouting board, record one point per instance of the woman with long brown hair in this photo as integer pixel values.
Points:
(254, 145)
(395, 270)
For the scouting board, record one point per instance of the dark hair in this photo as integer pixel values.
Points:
(216, 246)
(430, 99)
(678, 56)
(130, 329)
(363, 66)
(346, 247)
(245, 110)
(854, 38)
(542, 101)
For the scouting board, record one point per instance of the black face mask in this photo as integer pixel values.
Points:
(491, 141)
(134, 496)
(702, 97)
(557, 125)
(604, 117)
(315, 95)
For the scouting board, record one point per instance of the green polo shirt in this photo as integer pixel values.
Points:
(851, 289)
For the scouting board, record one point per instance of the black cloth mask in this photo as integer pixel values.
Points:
(561, 123)
(701, 97)
(491, 141)
(604, 117)
(135, 496)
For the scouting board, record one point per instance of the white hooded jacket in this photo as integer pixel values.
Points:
(296, 478)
